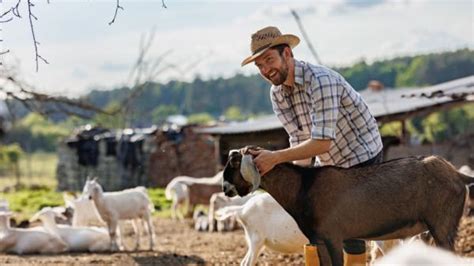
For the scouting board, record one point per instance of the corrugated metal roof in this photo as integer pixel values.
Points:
(268, 122)
(381, 104)
(401, 100)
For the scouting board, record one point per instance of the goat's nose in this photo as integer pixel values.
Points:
(225, 187)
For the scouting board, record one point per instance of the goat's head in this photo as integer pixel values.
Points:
(48, 214)
(91, 189)
(240, 175)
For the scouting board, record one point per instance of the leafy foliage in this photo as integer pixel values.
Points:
(35, 132)
(26, 202)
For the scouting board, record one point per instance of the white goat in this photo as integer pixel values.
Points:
(200, 220)
(85, 212)
(220, 200)
(91, 239)
(418, 253)
(128, 204)
(179, 192)
(27, 241)
(277, 230)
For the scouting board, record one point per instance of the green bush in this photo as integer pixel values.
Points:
(27, 202)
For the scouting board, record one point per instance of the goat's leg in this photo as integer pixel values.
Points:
(231, 223)
(136, 232)
(442, 238)
(255, 244)
(211, 219)
(443, 229)
(323, 253)
(151, 231)
(174, 207)
(113, 234)
(334, 248)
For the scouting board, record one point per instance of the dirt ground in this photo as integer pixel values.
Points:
(176, 244)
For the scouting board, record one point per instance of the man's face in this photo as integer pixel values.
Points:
(273, 66)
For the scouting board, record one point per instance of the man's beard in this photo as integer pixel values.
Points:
(279, 77)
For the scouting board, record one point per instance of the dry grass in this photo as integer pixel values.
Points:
(464, 244)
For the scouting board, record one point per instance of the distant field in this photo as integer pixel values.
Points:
(37, 168)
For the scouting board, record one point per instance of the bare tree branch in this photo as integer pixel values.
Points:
(45, 104)
(117, 7)
(13, 11)
(36, 43)
(305, 36)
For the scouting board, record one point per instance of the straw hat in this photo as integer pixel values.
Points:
(266, 38)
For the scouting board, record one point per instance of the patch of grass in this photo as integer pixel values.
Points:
(162, 205)
(26, 202)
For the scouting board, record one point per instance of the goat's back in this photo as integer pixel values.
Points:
(369, 202)
(127, 203)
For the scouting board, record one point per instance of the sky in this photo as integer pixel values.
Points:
(210, 38)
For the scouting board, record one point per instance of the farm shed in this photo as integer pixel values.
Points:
(132, 157)
(387, 105)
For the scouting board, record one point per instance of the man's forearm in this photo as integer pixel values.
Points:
(306, 149)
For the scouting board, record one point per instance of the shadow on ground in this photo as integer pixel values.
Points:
(168, 259)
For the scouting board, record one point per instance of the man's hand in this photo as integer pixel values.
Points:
(264, 160)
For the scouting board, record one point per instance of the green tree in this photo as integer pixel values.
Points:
(11, 154)
(233, 113)
(160, 113)
(35, 132)
(110, 121)
(201, 118)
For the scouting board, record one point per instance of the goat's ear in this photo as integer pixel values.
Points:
(34, 218)
(95, 179)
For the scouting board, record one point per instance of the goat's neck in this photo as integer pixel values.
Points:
(50, 226)
(283, 184)
(98, 200)
(4, 223)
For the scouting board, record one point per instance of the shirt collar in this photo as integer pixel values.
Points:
(299, 78)
(299, 72)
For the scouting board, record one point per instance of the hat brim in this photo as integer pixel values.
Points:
(289, 39)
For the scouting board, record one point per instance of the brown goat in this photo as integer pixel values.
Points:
(394, 199)
(201, 194)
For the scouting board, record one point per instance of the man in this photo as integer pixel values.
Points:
(326, 119)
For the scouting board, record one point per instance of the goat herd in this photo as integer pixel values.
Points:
(268, 218)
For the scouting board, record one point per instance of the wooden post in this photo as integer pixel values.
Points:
(217, 152)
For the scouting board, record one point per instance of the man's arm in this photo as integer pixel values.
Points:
(265, 160)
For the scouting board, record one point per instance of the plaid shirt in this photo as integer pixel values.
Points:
(323, 105)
